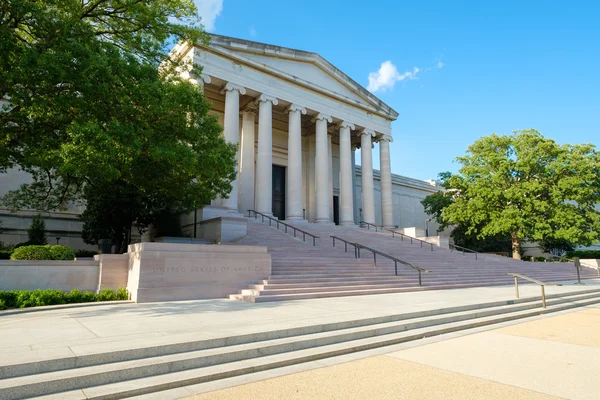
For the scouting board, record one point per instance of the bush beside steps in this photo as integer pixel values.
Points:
(47, 252)
(50, 297)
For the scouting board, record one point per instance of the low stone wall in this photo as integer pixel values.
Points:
(590, 263)
(113, 271)
(63, 275)
(169, 271)
(440, 241)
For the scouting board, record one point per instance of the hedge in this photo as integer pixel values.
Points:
(47, 252)
(584, 254)
(49, 297)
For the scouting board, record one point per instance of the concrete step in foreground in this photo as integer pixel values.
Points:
(142, 370)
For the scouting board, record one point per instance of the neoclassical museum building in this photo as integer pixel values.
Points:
(298, 121)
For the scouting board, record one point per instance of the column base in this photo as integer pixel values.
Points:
(325, 222)
(347, 223)
(296, 220)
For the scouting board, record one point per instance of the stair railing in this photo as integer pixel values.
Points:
(278, 222)
(396, 260)
(542, 284)
(402, 236)
(463, 249)
(369, 225)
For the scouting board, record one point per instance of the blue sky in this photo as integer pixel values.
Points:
(483, 66)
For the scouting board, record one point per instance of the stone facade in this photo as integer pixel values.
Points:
(292, 113)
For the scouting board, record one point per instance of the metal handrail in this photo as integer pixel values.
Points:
(464, 249)
(304, 233)
(358, 246)
(542, 284)
(369, 225)
(402, 236)
(346, 243)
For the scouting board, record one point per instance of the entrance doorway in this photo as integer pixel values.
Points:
(336, 210)
(278, 192)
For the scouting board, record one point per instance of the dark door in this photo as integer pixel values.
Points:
(278, 203)
(336, 210)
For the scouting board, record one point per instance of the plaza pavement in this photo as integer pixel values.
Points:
(78, 330)
(456, 363)
(556, 357)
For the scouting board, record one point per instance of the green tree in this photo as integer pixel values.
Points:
(114, 208)
(89, 104)
(91, 111)
(527, 187)
(36, 233)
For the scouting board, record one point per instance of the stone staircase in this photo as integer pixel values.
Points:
(302, 271)
(154, 366)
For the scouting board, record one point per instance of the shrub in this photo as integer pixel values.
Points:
(85, 253)
(540, 259)
(48, 297)
(36, 234)
(122, 294)
(32, 253)
(2, 305)
(60, 252)
(57, 252)
(5, 254)
(9, 298)
(23, 298)
(584, 254)
(106, 295)
(77, 296)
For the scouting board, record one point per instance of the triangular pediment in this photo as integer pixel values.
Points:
(304, 67)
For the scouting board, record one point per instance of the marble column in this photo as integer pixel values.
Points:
(346, 171)
(321, 169)
(247, 159)
(366, 163)
(387, 208)
(231, 132)
(330, 169)
(264, 162)
(293, 187)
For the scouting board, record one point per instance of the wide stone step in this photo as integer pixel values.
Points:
(268, 291)
(147, 375)
(269, 286)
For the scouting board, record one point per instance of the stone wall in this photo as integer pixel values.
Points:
(63, 275)
(168, 271)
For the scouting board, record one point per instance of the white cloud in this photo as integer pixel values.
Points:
(439, 65)
(387, 76)
(209, 10)
(252, 31)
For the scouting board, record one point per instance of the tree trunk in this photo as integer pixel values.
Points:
(516, 248)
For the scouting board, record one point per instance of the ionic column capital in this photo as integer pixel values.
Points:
(295, 107)
(321, 117)
(386, 138)
(203, 79)
(346, 124)
(263, 98)
(369, 132)
(229, 87)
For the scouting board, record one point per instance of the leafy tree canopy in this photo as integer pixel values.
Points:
(526, 187)
(86, 103)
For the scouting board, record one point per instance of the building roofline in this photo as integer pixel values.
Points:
(285, 52)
